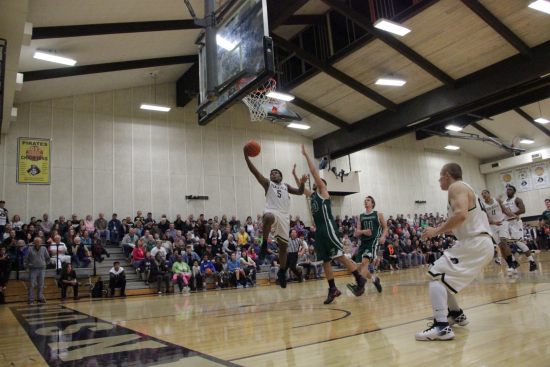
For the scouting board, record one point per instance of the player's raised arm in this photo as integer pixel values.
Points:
(318, 180)
(458, 197)
(261, 179)
(301, 183)
(505, 210)
(306, 191)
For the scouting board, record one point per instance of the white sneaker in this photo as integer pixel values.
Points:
(457, 318)
(436, 331)
(512, 271)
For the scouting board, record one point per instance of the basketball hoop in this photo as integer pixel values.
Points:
(258, 101)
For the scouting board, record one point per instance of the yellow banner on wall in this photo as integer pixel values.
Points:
(33, 161)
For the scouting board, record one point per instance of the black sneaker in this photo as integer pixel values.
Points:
(360, 287)
(332, 294)
(352, 288)
(378, 285)
(282, 278)
(532, 266)
(457, 318)
(516, 264)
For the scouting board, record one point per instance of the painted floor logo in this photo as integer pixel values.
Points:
(64, 336)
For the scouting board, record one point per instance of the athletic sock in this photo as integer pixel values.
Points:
(452, 302)
(438, 297)
(530, 258)
(356, 275)
(510, 260)
(331, 283)
(501, 259)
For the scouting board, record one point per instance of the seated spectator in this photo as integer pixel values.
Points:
(81, 253)
(86, 239)
(272, 250)
(164, 225)
(310, 237)
(20, 253)
(390, 254)
(16, 223)
(117, 279)
(196, 276)
(155, 231)
(178, 237)
(309, 263)
(182, 273)
(115, 229)
(234, 266)
(208, 253)
(208, 270)
(150, 244)
(166, 243)
(379, 262)
(242, 237)
(200, 229)
(59, 252)
(419, 253)
(214, 233)
(171, 232)
(124, 229)
(190, 257)
(299, 228)
(29, 239)
(128, 243)
(179, 247)
(5, 268)
(223, 225)
(138, 254)
(249, 226)
(149, 222)
(98, 250)
(178, 223)
(68, 279)
(158, 249)
(200, 249)
(230, 246)
(405, 254)
(40, 235)
(159, 271)
(255, 232)
(70, 236)
(138, 228)
(251, 253)
(145, 267)
(249, 267)
(139, 217)
(89, 224)
(217, 249)
(10, 242)
(46, 225)
(225, 234)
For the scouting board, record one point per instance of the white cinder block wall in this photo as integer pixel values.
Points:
(109, 156)
(533, 200)
(399, 172)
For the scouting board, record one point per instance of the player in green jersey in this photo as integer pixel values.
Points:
(327, 243)
(373, 231)
(546, 214)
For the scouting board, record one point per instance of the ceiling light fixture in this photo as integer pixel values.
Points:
(541, 5)
(392, 27)
(298, 126)
(390, 80)
(541, 120)
(526, 141)
(453, 128)
(452, 147)
(281, 96)
(52, 58)
(155, 106)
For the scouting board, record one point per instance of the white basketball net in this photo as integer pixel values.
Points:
(258, 101)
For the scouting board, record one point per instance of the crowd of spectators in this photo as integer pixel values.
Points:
(190, 251)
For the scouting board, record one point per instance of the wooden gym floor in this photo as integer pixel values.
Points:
(268, 326)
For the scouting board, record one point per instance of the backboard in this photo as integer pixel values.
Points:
(244, 57)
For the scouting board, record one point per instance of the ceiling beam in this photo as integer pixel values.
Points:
(321, 113)
(278, 11)
(30, 76)
(527, 117)
(333, 72)
(304, 19)
(361, 42)
(477, 126)
(365, 23)
(187, 86)
(473, 92)
(498, 26)
(111, 28)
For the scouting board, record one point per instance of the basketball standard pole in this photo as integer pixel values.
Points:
(211, 44)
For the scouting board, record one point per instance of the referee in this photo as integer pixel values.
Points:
(294, 246)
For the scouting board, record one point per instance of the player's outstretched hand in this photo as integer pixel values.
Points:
(429, 232)
(303, 180)
(304, 150)
(245, 152)
(294, 170)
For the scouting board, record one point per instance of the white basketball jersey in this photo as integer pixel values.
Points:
(510, 204)
(277, 198)
(494, 211)
(476, 222)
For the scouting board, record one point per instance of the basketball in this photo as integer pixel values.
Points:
(208, 271)
(253, 148)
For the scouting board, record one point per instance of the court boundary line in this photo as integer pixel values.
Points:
(379, 329)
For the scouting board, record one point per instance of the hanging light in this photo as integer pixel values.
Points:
(541, 120)
(155, 106)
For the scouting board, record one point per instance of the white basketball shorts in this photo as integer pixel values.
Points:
(499, 232)
(461, 264)
(516, 230)
(281, 225)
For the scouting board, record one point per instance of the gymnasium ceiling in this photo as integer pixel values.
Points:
(450, 48)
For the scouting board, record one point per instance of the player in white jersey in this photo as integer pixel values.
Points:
(459, 265)
(277, 204)
(516, 206)
(495, 210)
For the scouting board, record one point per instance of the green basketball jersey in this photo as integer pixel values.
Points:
(322, 213)
(546, 216)
(370, 221)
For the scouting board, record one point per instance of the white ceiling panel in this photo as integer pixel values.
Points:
(110, 48)
(93, 83)
(48, 13)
